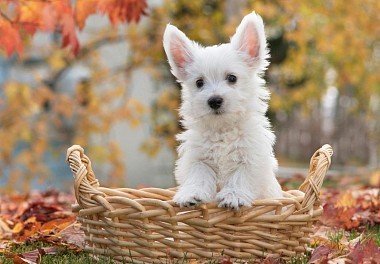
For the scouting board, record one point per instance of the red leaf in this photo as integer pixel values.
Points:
(10, 40)
(69, 36)
(67, 25)
(120, 11)
(226, 260)
(367, 252)
(320, 255)
(43, 212)
(339, 217)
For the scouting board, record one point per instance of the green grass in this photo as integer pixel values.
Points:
(371, 232)
(63, 256)
(301, 259)
(374, 233)
(336, 236)
(352, 235)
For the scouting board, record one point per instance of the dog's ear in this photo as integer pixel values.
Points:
(179, 50)
(250, 40)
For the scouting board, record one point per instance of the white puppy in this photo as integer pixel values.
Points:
(226, 151)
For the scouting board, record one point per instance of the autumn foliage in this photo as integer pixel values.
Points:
(21, 19)
(40, 116)
(43, 217)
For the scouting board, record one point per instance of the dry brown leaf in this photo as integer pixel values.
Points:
(31, 257)
(320, 255)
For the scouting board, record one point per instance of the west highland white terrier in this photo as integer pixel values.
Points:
(226, 151)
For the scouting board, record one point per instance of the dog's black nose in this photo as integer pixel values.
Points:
(215, 102)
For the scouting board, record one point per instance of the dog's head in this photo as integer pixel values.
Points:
(219, 81)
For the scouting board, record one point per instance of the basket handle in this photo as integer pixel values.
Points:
(85, 185)
(319, 164)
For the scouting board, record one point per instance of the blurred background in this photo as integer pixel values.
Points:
(114, 95)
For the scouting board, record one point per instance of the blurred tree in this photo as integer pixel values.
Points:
(307, 39)
(331, 44)
(20, 20)
(38, 119)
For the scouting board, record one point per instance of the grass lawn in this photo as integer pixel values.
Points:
(63, 256)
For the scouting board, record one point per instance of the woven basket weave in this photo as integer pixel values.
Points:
(145, 225)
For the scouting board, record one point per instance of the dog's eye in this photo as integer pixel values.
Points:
(231, 78)
(199, 83)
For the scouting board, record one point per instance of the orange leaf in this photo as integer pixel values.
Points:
(120, 11)
(28, 233)
(83, 9)
(57, 224)
(36, 15)
(346, 200)
(31, 220)
(18, 228)
(28, 16)
(10, 40)
(67, 24)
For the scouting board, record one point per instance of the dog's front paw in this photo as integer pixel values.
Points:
(187, 198)
(232, 200)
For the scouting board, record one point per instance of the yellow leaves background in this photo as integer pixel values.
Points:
(314, 36)
(318, 36)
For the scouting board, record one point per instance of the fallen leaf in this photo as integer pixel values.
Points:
(73, 235)
(57, 225)
(374, 179)
(346, 200)
(365, 252)
(271, 260)
(31, 257)
(31, 220)
(226, 260)
(339, 217)
(320, 255)
(30, 231)
(18, 228)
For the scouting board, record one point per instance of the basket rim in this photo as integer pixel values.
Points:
(88, 191)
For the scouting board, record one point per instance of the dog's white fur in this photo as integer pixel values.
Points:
(227, 157)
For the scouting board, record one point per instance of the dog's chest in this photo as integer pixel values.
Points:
(223, 152)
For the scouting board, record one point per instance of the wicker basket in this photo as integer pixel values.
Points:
(145, 225)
